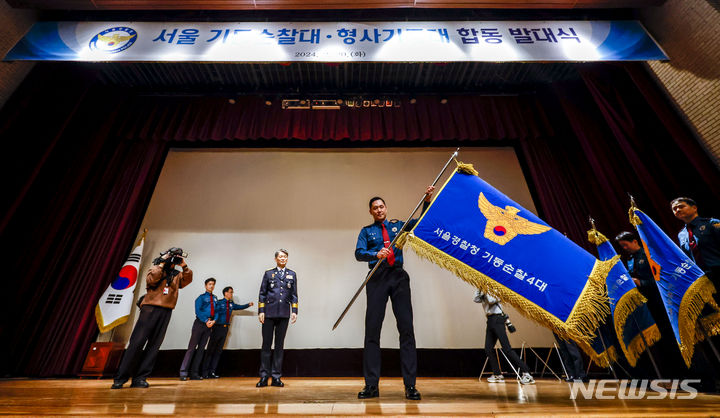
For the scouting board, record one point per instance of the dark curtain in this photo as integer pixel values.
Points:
(615, 134)
(74, 222)
(81, 175)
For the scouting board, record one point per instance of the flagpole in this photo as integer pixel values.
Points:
(607, 355)
(369, 276)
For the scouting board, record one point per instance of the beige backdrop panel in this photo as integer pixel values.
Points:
(230, 210)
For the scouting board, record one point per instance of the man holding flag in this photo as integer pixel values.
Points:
(390, 280)
(700, 238)
(684, 287)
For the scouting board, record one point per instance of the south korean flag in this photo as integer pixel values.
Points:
(114, 306)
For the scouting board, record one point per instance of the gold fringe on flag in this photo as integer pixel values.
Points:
(697, 295)
(627, 304)
(108, 327)
(637, 345)
(603, 359)
(711, 324)
(589, 312)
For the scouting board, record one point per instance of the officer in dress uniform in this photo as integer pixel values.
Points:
(224, 308)
(205, 317)
(390, 280)
(278, 304)
(699, 239)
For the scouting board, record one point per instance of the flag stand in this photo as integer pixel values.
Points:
(545, 363)
(562, 363)
(369, 276)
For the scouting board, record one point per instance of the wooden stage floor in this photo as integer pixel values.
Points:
(325, 396)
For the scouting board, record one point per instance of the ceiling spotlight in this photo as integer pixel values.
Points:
(231, 101)
(413, 100)
(268, 102)
(340, 101)
(376, 102)
(443, 101)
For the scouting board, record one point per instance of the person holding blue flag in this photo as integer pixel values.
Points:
(390, 281)
(684, 288)
(700, 238)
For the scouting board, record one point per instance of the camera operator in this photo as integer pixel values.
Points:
(163, 282)
(495, 330)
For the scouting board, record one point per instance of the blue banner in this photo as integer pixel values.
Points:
(633, 325)
(426, 41)
(684, 288)
(496, 245)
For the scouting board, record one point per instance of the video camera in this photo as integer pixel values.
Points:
(174, 255)
(511, 328)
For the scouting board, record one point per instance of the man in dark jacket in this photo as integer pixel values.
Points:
(278, 304)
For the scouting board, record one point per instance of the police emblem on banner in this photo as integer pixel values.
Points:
(113, 40)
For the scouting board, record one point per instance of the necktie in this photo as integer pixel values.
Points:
(212, 307)
(227, 311)
(281, 274)
(694, 247)
(386, 239)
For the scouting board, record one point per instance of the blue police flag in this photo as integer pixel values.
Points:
(496, 245)
(630, 313)
(684, 287)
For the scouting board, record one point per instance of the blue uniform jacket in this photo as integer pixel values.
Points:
(707, 236)
(639, 268)
(370, 240)
(221, 307)
(278, 297)
(202, 307)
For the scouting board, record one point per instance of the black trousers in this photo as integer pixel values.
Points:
(199, 337)
(571, 357)
(278, 328)
(214, 349)
(149, 332)
(496, 331)
(392, 282)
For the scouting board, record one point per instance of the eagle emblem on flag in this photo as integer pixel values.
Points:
(504, 224)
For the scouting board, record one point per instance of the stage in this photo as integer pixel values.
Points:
(325, 396)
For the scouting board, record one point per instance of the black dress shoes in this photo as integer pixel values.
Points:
(184, 378)
(369, 392)
(277, 382)
(195, 377)
(412, 393)
(262, 383)
(212, 376)
(140, 384)
(117, 385)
